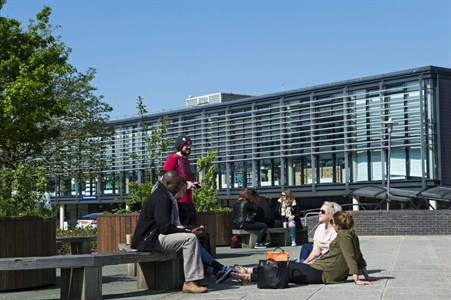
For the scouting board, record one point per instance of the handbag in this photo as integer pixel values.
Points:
(277, 255)
(272, 274)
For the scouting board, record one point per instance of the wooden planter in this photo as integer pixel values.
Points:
(112, 229)
(219, 227)
(22, 237)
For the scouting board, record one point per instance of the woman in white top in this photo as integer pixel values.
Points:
(324, 234)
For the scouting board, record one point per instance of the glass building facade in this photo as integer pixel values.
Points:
(321, 142)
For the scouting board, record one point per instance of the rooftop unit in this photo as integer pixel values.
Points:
(213, 98)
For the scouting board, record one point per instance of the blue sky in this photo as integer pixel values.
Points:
(165, 51)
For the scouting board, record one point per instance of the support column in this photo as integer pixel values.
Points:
(355, 204)
(62, 215)
(432, 205)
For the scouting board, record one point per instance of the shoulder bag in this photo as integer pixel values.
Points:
(272, 274)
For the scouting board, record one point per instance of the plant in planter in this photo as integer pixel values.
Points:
(155, 143)
(206, 198)
(216, 218)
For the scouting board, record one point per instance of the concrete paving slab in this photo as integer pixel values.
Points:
(407, 275)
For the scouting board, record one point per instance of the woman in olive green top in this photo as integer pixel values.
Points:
(343, 259)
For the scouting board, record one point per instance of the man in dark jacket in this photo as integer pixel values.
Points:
(156, 230)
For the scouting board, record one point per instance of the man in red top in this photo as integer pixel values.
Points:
(179, 162)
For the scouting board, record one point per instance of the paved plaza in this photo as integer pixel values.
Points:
(413, 267)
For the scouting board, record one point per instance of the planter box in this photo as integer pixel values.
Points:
(219, 226)
(112, 229)
(22, 237)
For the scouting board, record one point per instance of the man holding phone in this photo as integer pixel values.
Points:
(179, 162)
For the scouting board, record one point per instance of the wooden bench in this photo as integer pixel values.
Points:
(277, 236)
(78, 244)
(81, 274)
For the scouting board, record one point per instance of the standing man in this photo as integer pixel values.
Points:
(156, 230)
(179, 162)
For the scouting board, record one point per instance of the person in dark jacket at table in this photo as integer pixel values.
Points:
(244, 211)
(156, 230)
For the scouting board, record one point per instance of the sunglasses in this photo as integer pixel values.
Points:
(322, 211)
(283, 195)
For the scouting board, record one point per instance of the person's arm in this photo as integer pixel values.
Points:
(367, 277)
(346, 244)
(170, 162)
(316, 252)
(163, 215)
(357, 281)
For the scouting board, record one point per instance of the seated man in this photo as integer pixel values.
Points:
(156, 230)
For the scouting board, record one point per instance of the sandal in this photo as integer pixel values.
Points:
(244, 279)
(240, 269)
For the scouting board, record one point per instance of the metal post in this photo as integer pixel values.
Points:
(388, 165)
(389, 125)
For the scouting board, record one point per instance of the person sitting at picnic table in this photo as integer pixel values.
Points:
(324, 234)
(343, 259)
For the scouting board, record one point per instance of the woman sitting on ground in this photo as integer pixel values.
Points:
(244, 211)
(344, 258)
(324, 234)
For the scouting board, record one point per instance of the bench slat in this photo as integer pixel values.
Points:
(80, 260)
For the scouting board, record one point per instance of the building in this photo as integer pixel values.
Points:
(323, 142)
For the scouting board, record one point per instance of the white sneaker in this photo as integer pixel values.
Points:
(293, 244)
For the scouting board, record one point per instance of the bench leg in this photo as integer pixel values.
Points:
(280, 239)
(160, 275)
(248, 240)
(81, 283)
(131, 269)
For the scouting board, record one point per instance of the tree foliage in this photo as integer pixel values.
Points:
(50, 118)
(155, 143)
(206, 198)
(79, 150)
(31, 62)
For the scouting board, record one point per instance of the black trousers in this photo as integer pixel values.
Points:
(187, 214)
(299, 273)
(261, 227)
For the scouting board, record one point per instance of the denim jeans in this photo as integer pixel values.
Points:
(292, 230)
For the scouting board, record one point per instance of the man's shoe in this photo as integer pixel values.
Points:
(202, 283)
(259, 246)
(192, 287)
(224, 274)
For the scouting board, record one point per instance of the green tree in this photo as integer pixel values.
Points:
(31, 62)
(155, 143)
(80, 149)
(206, 198)
(48, 112)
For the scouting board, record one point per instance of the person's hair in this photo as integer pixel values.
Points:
(174, 179)
(332, 208)
(344, 221)
(254, 197)
(289, 196)
(244, 194)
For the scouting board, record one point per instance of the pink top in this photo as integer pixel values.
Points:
(323, 237)
(184, 169)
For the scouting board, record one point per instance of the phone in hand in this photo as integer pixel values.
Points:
(196, 185)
